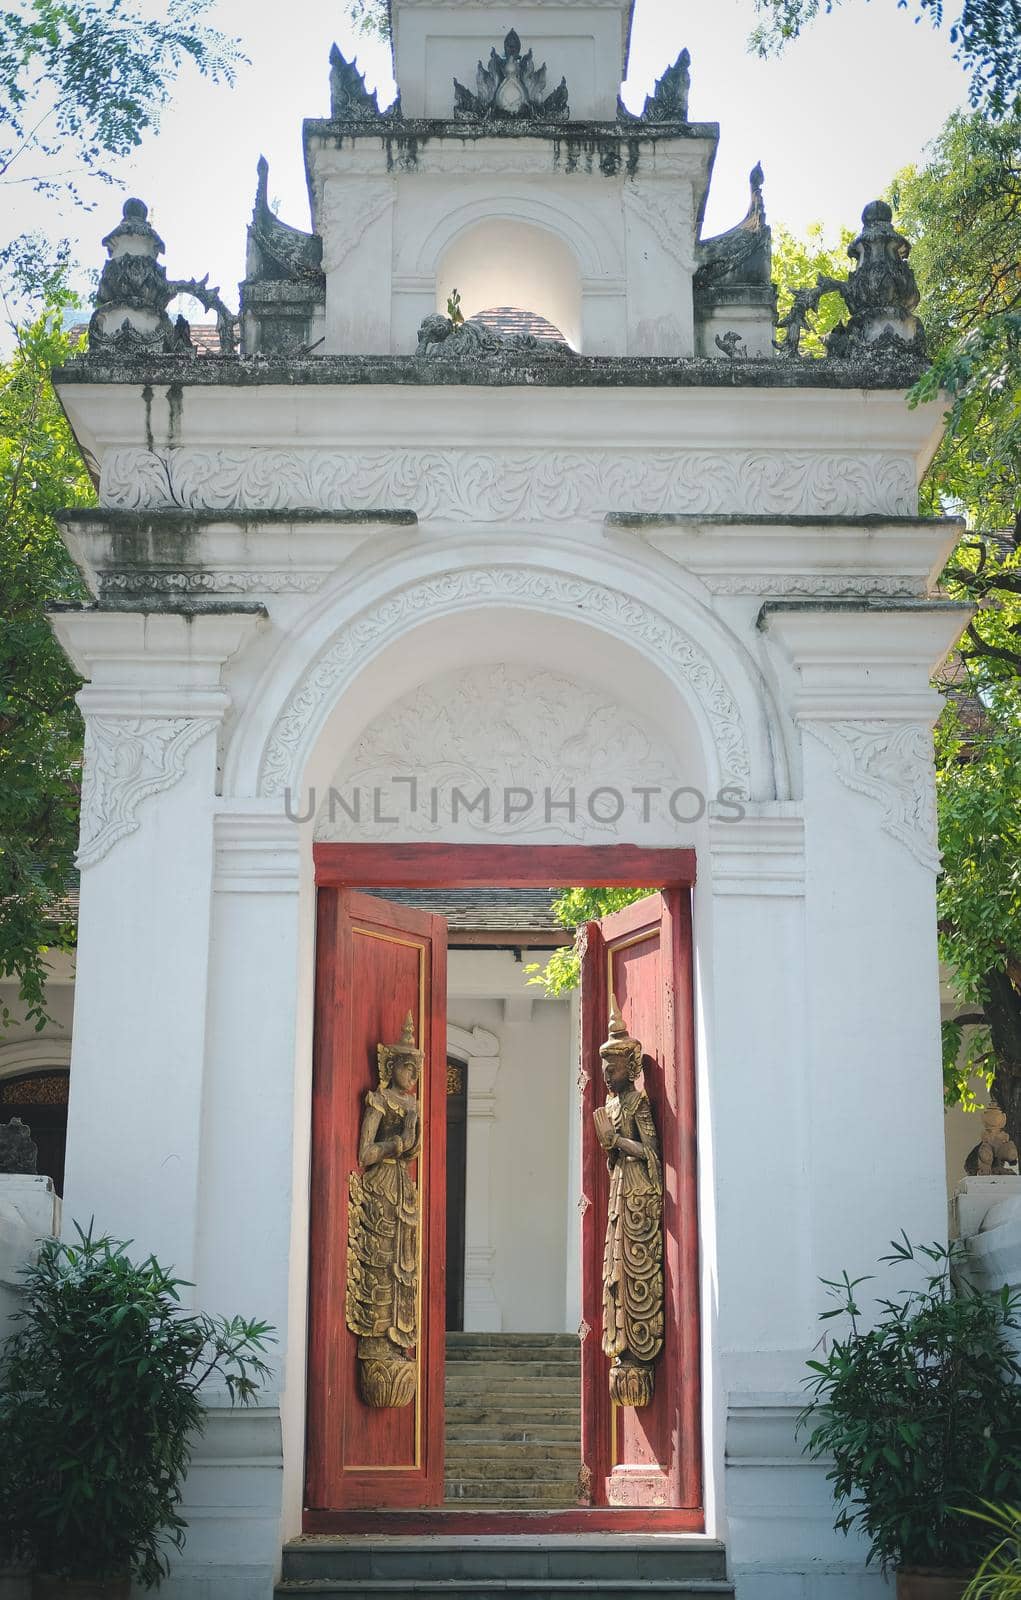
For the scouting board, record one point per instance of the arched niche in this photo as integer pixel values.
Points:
(505, 262)
(506, 699)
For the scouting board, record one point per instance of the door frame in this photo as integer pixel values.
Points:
(432, 865)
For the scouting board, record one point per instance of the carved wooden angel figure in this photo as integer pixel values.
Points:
(383, 1227)
(633, 1257)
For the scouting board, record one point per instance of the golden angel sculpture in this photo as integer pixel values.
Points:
(633, 1257)
(383, 1229)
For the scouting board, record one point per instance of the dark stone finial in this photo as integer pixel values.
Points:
(129, 315)
(135, 224)
(18, 1151)
(511, 88)
(261, 187)
(743, 255)
(668, 101)
(350, 100)
(880, 293)
(877, 211)
(278, 253)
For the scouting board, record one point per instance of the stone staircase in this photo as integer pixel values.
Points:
(513, 1443)
(513, 1421)
(527, 1567)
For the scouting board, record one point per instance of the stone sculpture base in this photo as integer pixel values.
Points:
(631, 1384)
(388, 1382)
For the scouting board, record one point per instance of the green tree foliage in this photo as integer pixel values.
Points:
(100, 1403)
(572, 909)
(999, 1576)
(371, 17)
(919, 1412)
(82, 82)
(40, 728)
(964, 209)
(984, 36)
(797, 264)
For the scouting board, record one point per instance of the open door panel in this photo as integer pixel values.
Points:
(648, 1456)
(376, 963)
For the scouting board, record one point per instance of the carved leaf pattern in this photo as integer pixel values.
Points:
(126, 761)
(891, 762)
(491, 728)
(666, 209)
(348, 214)
(508, 485)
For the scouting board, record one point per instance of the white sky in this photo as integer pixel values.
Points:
(850, 103)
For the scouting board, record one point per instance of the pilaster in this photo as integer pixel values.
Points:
(153, 703)
(859, 683)
(757, 1090)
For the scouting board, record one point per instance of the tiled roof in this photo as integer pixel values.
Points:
(509, 322)
(483, 910)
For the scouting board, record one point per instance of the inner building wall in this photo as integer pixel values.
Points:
(521, 1175)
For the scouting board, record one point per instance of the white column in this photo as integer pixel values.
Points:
(153, 706)
(240, 1499)
(827, 1055)
(875, 1140)
(757, 1091)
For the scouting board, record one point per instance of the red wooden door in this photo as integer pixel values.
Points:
(649, 1457)
(375, 962)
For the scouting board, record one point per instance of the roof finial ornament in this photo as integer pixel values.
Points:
(130, 308)
(668, 101)
(512, 88)
(350, 100)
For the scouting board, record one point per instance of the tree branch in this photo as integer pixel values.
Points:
(993, 651)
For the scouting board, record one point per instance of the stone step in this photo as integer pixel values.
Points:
(523, 1589)
(514, 1371)
(507, 1492)
(528, 1469)
(476, 1448)
(479, 1381)
(469, 1419)
(539, 1401)
(520, 1364)
(516, 1432)
(457, 1342)
(529, 1558)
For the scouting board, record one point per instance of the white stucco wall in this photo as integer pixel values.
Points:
(529, 1171)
